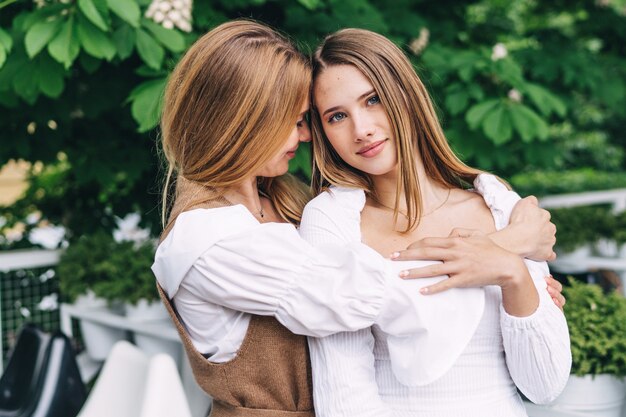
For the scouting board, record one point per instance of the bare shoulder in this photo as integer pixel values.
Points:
(470, 210)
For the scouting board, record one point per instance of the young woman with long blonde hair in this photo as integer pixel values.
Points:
(235, 275)
(380, 148)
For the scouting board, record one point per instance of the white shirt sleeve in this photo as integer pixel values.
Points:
(344, 378)
(537, 347)
(227, 258)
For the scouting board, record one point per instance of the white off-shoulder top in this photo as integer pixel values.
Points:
(469, 355)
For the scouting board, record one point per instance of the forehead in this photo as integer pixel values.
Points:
(340, 83)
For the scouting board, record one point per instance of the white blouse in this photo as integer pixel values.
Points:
(220, 265)
(355, 373)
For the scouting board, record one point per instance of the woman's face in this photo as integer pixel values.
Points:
(354, 120)
(279, 165)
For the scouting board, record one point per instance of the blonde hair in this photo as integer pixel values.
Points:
(229, 106)
(411, 114)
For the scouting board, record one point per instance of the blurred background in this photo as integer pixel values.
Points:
(534, 91)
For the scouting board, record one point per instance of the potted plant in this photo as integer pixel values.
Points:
(597, 324)
(580, 228)
(81, 267)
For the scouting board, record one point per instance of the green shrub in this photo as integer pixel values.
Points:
(541, 183)
(597, 325)
(115, 271)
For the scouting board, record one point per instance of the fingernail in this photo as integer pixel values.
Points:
(424, 290)
(556, 301)
(395, 255)
(403, 274)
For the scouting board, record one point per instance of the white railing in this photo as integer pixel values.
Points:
(24, 259)
(586, 262)
(617, 198)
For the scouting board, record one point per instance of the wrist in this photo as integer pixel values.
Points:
(515, 275)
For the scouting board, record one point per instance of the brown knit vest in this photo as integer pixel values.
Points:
(271, 374)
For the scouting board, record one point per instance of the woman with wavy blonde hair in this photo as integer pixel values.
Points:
(232, 270)
(379, 149)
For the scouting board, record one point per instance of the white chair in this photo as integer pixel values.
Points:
(164, 395)
(133, 385)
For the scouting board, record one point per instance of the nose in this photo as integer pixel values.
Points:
(304, 133)
(364, 126)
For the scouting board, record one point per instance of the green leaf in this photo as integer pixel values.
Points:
(528, 123)
(497, 125)
(40, 34)
(51, 81)
(94, 41)
(147, 101)
(89, 63)
(127, 10)
(310, 4)
(3, 56)
(124, 39)
(149, 50)
(89, 9)
(65, 47)
(171, 39)
(477, 112)
(545, 101)
(26, 83)
(457, 101)
(6, 40)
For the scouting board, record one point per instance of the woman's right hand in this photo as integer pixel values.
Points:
(535, 231)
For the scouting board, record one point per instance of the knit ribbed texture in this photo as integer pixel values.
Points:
(270, 376)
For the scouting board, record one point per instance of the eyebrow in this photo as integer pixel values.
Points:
(361, 97)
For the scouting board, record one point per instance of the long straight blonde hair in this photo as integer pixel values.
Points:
(411, 114)
(229, 106)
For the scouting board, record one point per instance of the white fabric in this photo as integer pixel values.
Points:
(220, 265)
(354, 372)
(447, 320)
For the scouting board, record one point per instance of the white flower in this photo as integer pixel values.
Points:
(420, 43)
(128, 229)
(49, 303)
(47, 236)
(33, 218)
(515, 95)
(16, 233)
(171, 13)
(499, 52)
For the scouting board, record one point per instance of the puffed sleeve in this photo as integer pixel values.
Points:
(439, 333)
(268, 269)
(537, 347)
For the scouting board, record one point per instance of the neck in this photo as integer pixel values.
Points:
(246, 193)
(432, 193)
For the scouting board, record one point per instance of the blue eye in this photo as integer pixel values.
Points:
(336, 117)
(373, 100)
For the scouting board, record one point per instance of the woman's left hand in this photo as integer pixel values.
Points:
(467, 257)
(470, 259)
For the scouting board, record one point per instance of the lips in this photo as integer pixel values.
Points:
(372, 149)
(292, 152)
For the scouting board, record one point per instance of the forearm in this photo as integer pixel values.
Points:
(519, 294)
(541, 375)
(514, 239)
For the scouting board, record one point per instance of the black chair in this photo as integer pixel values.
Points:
(41, 378)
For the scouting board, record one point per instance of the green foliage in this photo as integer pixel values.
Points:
(552, 99)
(540, 183)
(115, 271)
(597, 325)
(577, 226)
